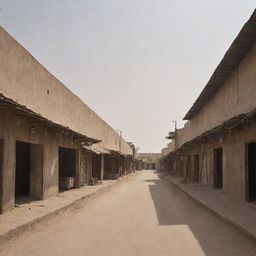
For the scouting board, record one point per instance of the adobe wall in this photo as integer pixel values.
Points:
(154, 156)
(234, 161)
(15, 128)
(236, 96)
(165, 152)
(27, 82)
(171, 147)
(183, 135)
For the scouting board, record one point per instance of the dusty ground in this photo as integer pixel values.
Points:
(143, 216)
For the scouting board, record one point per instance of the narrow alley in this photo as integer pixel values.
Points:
(145, 215)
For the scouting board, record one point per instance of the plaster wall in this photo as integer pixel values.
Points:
(164, 152)
(183, 135)
(15, 128)
(86, 167)
(36, 175)
(236, 96)
(206, 160)
(234, 161)
(196, 150)
(149, 157)
(125, 147)
(233, 165)
(170, 147)
(24, 80)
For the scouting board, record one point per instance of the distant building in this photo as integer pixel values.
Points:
(151, 161)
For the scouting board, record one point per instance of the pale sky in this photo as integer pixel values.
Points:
(139, 64)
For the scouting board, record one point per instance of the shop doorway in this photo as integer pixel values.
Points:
(1, 173)
(23, 166)
(67, 168)
(96, 166)
(218, 168)
(251, 169)
(189, 174)
(29, 172)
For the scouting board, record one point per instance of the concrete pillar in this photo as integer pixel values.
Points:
(8, 174)
(50, 168)
(36, 172)
(78, 174)
(102, 167)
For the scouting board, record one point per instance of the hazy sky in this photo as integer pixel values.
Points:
(138, 63)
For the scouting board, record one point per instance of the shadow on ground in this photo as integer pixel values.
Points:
(175, 208)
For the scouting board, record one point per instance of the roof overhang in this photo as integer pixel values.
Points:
(97, 148)
(235, 123)
(34, 118)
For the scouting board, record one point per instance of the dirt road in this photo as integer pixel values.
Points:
(143, 216)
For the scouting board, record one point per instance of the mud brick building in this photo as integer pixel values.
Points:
(150, 161)
(46, 132)
(217, 145)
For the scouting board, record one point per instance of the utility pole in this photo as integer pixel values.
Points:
(175, 122)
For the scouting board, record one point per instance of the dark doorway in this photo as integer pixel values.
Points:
(67, 167)
(1, 173)
(218, 168)
(251, 161)
(22, 177)
(29, 172)
(153, 166)
(96, 166)
(188, 174)
(196, 168)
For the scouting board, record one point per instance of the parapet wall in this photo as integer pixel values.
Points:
(24, 80)
(236, 96)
